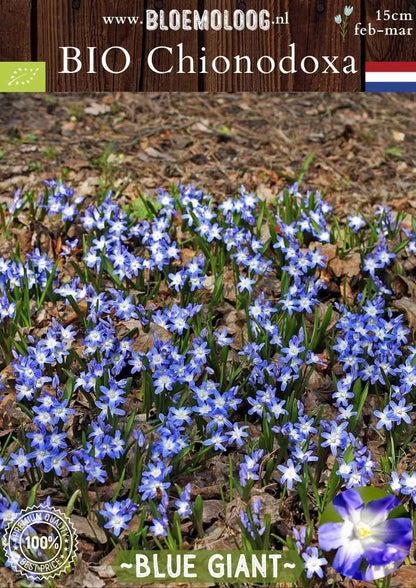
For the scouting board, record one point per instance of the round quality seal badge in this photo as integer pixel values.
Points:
(40, 543)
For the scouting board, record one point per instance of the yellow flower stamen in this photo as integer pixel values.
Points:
(363, 531)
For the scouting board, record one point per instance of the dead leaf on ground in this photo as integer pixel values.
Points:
(235, 320)
(97, 108)
(265, 193)
(320, 381)
(82, 577)
(218, 537)
(213, 509)
(109, 559)
(403, 286)
(211, 491)
(265, 232)
(399, 204)
(209, 284)
(89, 528)
(145, 341)
(409, 307)
(187, 254)
(104, 571)
(269, 506)
(405, 577)
(348, 266)
(24, 237)
(322, 309)
(73, 317)
(11, 416)
(155, 154)
(7, 578)
(398, 136)
(227, 284)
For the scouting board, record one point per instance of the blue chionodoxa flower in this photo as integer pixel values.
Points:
(369, 545)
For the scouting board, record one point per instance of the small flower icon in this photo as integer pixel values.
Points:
(343, 24)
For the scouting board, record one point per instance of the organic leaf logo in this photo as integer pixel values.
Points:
(23, 76)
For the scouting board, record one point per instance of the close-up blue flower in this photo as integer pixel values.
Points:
(368, 543)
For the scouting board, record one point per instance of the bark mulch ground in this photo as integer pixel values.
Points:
(363, 145)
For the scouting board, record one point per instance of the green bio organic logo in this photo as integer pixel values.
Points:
(22, 76)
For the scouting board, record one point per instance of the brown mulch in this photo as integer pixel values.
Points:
(364, 144)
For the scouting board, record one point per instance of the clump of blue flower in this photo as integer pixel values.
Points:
(142, 348)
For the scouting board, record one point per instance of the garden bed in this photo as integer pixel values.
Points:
(183, 373)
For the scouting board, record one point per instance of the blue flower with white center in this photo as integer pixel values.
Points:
(385, 418)
(183, 504)
(237, 435)
(159, 527)
(408, 483)
(20, 460)
(9, 511)
(356, 222)
(118, 515)
(368, 544)
(290, 473)
(222, 338)
(245, 283)
(335, 437)
(399, 411)
(313, 563)
(217, 440)
(250, 467)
